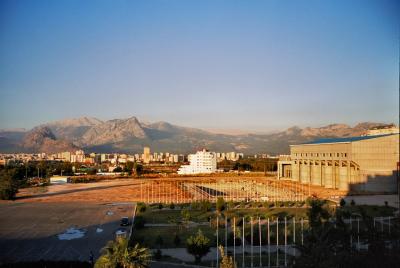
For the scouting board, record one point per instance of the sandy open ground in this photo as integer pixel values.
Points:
(169, 189)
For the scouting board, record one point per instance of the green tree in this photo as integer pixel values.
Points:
(205, 206)
(198, 246)
(129, 167)
(326, 243)
(226, 261)
(141, 207)
(185, 214)
(138, 169)
(91, 171)
(159, 241)
(118, 254)
(8, 184)
(177, 240)
(317, 212)
(158, 254)
(139, 222)
(117, 169)
(220, 204)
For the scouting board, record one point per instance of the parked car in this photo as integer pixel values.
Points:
(121, 232)
(125, 221)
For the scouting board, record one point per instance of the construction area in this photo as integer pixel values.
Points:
(231, 189)
(181, 190)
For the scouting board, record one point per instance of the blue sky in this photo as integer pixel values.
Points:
(251, 65)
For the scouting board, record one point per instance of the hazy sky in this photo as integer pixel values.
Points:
(252, 65)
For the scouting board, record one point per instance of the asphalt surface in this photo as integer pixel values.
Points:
(30, 231)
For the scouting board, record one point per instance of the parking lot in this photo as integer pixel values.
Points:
(58, 231)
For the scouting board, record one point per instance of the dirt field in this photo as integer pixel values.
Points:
(168, 190)
(31, 231)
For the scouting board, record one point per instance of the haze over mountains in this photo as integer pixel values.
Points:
(130, 136)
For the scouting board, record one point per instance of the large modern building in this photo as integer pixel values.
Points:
(366, 163)
(201, 162)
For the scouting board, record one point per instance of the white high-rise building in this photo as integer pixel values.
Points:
(201, 162)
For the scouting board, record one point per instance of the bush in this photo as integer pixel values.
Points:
(230, 205)
(185, 214)
(342, 202)
(8, 186)
(159, 241)
(220, 204)
(141, 207)
(195, 205)
(158, 255)
(139, 222)
(198, 246)
(300, 203)
(160, 206)
(205, 206)
(117, 169)
(177, 240)
(172, 206)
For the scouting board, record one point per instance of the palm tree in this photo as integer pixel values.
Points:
(118, 254)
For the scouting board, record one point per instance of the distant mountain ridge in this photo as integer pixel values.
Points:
(42, 139)
(129, 135)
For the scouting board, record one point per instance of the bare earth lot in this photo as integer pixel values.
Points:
(29, 231)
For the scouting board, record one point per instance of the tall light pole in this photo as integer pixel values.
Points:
(217, 242)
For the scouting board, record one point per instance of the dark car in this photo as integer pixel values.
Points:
(125, 221)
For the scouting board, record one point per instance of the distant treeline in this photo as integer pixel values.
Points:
(250, 164)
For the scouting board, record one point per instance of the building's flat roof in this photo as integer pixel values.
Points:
(348, 139)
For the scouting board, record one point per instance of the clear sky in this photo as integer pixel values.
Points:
(251, 65)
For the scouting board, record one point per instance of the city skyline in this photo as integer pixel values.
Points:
(252, 67)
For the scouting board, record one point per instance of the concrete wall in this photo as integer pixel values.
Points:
(365, 165)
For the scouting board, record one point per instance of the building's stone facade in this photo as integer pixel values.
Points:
(360, 164)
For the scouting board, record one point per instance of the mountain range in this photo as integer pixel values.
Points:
(130, 136)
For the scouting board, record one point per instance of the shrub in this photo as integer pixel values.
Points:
(158, 255)
(160, 206)
(342, 202)
(8, 186)
(198, 246)
(205, 206)
(185, 214)
(220, 204)
(139, 222)
(195, 205)
(177, 240)
(141, 207)
(172, 206)
(159, 241)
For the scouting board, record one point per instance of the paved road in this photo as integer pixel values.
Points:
(29, 231)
